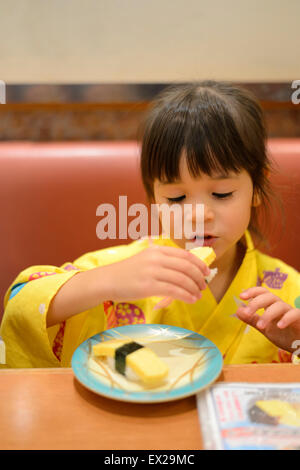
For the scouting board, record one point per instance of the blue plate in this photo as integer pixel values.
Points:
(194, 364)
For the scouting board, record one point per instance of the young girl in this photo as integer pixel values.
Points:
(203, 143)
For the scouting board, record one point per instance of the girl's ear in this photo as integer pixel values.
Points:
(256, 199)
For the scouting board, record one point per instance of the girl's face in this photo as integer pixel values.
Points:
(226, 200)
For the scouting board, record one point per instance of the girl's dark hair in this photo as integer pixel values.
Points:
(219, 126)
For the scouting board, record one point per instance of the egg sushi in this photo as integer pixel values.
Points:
(206, 254)
(133, 360)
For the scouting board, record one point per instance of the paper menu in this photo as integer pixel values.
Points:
(243, 416)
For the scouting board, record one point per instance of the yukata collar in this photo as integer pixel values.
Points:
(223, 326)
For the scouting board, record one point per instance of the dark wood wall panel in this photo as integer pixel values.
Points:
(114, 112)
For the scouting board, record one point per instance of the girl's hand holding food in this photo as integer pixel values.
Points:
(156, 271)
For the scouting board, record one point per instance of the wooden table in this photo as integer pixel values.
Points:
(50, 409)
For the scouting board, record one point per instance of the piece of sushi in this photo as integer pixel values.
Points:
(206, 254)
(211, 275)
(133, 360)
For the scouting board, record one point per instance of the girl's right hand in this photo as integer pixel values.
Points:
(156, 271)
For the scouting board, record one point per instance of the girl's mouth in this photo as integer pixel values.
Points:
(207, 240)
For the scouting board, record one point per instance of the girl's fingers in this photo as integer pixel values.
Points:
(186, 255)
(179, 279)
(184, 272)
(183, 261)
(253, 292)
(249, 318)
(198, 262)
(186, 268)
(260, 298)
(290, 317)
(263, 300)
(174, 292)
(273, 312)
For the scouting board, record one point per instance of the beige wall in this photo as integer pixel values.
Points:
(62, 41)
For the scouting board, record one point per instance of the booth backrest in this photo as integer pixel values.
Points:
(50, 193)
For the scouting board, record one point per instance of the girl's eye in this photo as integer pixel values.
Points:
(175, 199)
(222, 195)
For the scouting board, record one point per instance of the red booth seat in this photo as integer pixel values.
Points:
(50, 193)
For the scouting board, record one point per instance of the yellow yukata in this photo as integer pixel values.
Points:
(30, 344)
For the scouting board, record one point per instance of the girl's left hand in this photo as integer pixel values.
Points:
(280, 322)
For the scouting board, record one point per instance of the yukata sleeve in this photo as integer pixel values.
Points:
(23, 328)
(291, 295)
(28, 341)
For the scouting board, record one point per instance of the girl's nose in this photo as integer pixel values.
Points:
(204, 214)
(200, 210)
(208, 213)
(204, 210)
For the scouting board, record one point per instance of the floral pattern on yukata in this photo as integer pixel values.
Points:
(39, 274)
(70, 267)
(57, 344)
(273, 279)
(297, 302)
(129, 314)
(283, 357)
(109, 311)
(123, 313)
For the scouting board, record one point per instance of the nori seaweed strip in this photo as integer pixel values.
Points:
(122, 352)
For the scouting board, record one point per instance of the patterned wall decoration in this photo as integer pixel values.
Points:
(114, 111)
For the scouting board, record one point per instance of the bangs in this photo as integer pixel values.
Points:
(203, 130)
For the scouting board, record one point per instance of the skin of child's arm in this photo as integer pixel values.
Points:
(82, 292)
